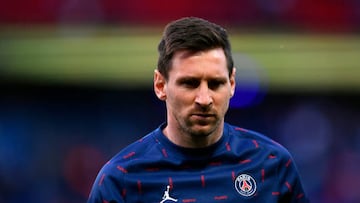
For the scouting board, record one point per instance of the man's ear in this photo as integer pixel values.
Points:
(159, 85)
(233, 81)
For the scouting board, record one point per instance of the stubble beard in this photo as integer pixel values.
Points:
(197, 130)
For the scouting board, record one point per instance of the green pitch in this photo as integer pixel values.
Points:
(127, 57)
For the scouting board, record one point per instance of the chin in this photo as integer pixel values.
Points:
(202, 131)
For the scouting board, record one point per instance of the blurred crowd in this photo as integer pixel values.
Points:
(267, 15)
(54, 139)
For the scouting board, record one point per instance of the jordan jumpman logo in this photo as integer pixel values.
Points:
(167, 196)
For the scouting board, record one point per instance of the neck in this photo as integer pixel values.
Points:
(187, 140)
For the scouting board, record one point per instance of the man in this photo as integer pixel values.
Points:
(195, 156)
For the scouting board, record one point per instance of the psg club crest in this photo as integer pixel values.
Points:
(245, 185)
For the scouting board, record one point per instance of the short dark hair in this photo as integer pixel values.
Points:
(193, 34)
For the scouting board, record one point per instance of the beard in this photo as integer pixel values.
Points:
(198, 128)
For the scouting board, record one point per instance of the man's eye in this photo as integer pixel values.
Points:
(215, 84)
(190, 83)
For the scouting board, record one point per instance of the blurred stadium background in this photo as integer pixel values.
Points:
(76, 87)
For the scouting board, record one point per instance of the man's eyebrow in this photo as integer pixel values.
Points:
(187, 78)
(194, 78)
(220, 79)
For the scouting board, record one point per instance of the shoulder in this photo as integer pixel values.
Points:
(257, 140)
(111, 175)
(142, 148)
(271, 156)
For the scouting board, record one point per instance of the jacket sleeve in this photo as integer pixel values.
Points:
(290, 185)
(107, 187)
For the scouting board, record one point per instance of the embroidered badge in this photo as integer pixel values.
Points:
(166, 196)
(245, 185)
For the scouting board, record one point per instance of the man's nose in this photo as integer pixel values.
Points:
(203, 96)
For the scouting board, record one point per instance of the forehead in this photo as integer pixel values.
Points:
(209, 62)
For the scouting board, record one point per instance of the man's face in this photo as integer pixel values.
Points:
(198, 91)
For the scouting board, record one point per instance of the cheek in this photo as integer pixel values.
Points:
(176, 98)
(223, 102)
(182, 100)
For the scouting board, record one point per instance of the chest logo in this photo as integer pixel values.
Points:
(245, 185)
(166, 196)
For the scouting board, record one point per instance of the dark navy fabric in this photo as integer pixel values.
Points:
(243, 166)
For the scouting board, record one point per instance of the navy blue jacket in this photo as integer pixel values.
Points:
(243, 166)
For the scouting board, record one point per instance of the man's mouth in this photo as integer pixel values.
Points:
(202, 115)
